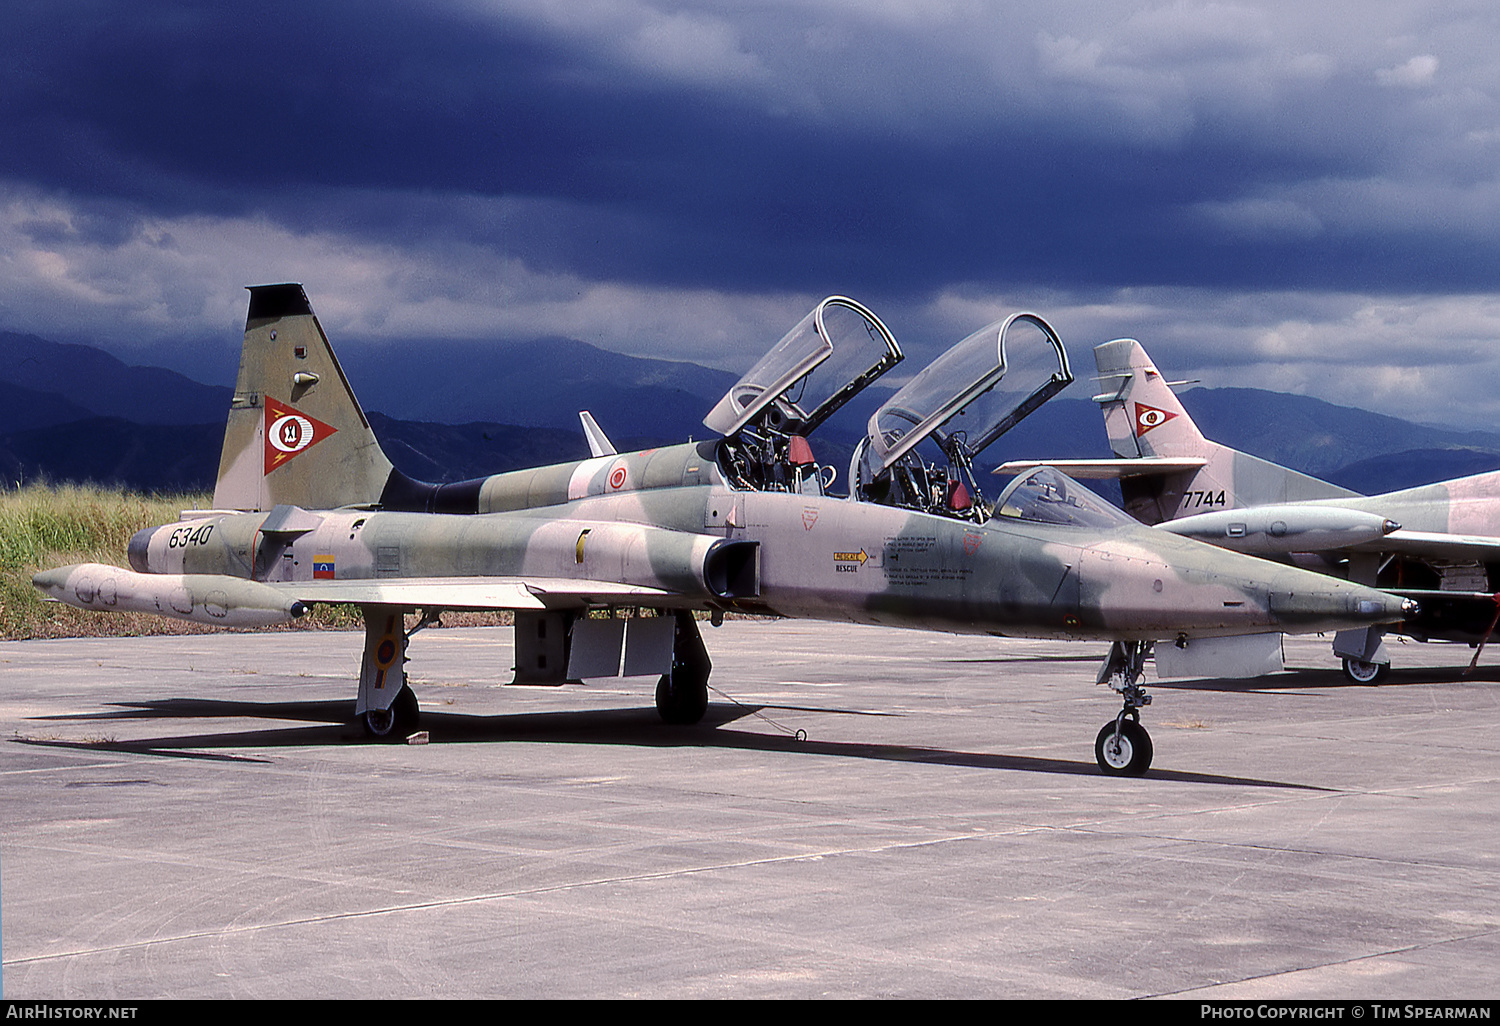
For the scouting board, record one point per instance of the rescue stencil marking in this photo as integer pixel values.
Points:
(849, 562)
(809, 517)
(1148, 417)
(290, 432)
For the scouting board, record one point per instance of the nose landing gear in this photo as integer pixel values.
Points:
(1123, 748)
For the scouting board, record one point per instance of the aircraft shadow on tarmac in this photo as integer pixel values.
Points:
(1092, 657)
(641, 727)
(1316, 679)
(1295, 677)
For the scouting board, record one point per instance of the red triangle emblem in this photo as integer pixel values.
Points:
(290, 433)
(1148, 417)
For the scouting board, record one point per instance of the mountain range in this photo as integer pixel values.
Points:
(450, 411)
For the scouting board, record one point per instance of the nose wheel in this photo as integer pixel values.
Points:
(1123, 748)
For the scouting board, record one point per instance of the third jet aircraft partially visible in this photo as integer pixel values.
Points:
(604, 560)
(1438, 543)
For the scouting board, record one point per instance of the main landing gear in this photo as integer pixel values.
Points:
(1123, 748)
(682, 692)
(387, 707)
(396, 723)
(1358, 671)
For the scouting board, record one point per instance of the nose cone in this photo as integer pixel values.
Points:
(1302, 602)
(52, 582)
(1185, 586)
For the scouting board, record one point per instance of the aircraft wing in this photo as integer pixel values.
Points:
(221, 600)
(514, 593)
(1146, 466)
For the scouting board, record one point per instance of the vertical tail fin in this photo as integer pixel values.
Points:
(296, 434)
(1142, 414)
(1144, 417)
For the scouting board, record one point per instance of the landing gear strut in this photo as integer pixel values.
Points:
(1123, 748)
(682, 692)
(382, 672)
(1363, 652)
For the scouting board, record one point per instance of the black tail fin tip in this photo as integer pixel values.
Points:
(268, 302)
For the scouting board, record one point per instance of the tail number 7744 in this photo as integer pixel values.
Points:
(1203, 500)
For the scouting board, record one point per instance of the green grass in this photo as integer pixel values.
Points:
(40, 520)
(45, 526)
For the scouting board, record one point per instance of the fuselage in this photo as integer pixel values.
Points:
(1466, 505)
(653, 519)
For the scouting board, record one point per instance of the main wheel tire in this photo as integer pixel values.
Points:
(681, 697)
(396, 723)
(1357, 671)
(1130, 756)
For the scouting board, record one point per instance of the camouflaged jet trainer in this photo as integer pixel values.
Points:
(1438, 544)
(604, 561)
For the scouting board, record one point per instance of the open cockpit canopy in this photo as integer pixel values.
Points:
(972, 394)
(817, 367)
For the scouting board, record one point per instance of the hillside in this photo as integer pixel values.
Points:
(446, 412)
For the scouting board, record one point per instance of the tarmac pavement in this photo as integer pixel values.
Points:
(195, 817)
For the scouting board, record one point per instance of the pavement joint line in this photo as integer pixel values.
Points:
(726, 847)
(69, 768)
(473, 899)
(777, 860)
(1278, 849)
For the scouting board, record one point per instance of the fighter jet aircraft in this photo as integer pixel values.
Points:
(1438, 544)
(604, 561)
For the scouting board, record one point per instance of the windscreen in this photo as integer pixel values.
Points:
(1048, 496)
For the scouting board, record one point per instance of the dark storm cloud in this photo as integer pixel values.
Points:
(1294, 195)
(904, 156)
